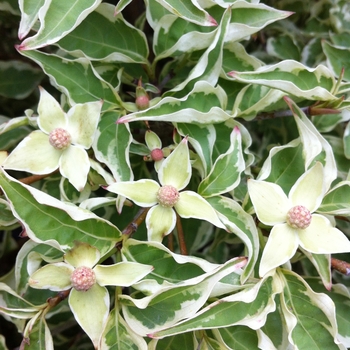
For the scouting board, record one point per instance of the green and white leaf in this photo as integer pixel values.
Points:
(337, 59)
(47, 219)
(299, 301)
(111, 38)
(37, 332)
(174, 303)
(315, 145)
(163, 260)
(77, 79)
(209, 66)
(248, 18)
(340, 296)
(13, 305)
(225, 174)
(205, 104)
(202, 138)
(29, 15)
(117, 335)
(189, 10)
(248, 307)
(58, 18)
(29, 259)
(336, 202)
(292, 78)
(241, 224)
(174, 36)
(112, 144)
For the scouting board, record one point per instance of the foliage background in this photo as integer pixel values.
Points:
(277, 144)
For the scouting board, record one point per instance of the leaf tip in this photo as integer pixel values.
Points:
(121, 120)
(20, 47)
(328, 286)
(232, 74)
(212, 22)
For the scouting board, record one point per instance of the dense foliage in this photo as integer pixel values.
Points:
(175, 174)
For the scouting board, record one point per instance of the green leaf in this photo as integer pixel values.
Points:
(117, 335)
(299, 301)
(239, 337)
(166, 307)
(46, 219)
(283, 47)
(284, 165)
(76, 78)
(240, 223)
(182, 341)
(112, 144)
(111, 38)
(6, 216)
(251, 305)
(226, 172)
(203, 105)
(18, 79)
(57, 18)
(293, 78)
(188, 11)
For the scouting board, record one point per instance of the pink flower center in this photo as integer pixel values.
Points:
(299, 217)
(168, 196)
(59, 138)
(157, 154)
(83, 278)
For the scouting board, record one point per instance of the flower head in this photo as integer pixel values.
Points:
(293, 219)
(168, 197)
(157, 153)
(87, 280)
(60, 142)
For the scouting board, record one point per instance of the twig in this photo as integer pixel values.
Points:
(136, 222)
(341, 266)
(180, 235)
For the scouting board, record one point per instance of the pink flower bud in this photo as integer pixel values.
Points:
(157, 154)
(142, 102)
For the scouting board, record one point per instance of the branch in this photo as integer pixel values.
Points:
(341, 266)
(180, 236)
(136, 222)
